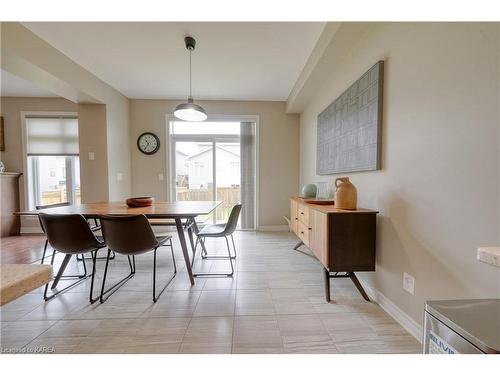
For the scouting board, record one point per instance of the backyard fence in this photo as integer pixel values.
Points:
(57, 196)
(228, 195)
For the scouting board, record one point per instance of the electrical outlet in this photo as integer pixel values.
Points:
(119, 176)
(160, 177)
(409, 283)
(91, 156)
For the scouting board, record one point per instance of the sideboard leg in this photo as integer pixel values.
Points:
(299, 244)
(326, 276)
(359, 286)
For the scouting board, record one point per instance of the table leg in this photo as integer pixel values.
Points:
(182, 239)
(359, 286)
(326, 276)
(299, 244)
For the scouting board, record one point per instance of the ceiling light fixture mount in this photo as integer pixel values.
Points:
(190, 111)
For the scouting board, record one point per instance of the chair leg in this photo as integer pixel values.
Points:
(59, 276)
(44, 250)
(155, 297)
(173, 256)
(94, 261)
(98, 258)
(219, 257)
(230, 258)
(203, 248)
(194, 252)
(116, 286)
(234, 247)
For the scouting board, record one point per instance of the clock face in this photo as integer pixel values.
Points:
(148, 143)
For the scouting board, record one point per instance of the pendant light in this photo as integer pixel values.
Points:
(190, 111)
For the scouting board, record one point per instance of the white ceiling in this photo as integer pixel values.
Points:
(232, 60)
(12, 85)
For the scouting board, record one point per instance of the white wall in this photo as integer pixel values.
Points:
(438, 190)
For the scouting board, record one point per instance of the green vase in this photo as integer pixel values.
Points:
(309, 191)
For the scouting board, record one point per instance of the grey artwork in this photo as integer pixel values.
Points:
(349, 129)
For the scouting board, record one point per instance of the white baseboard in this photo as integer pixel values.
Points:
(31, 230)
(273, 228)
(415, 329)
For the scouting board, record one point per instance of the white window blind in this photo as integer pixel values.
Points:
(52, 136)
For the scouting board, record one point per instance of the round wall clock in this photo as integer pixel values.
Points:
(148, 143)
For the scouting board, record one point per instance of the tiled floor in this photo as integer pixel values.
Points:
(274, 304)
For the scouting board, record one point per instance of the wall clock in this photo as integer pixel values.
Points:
(148, 143)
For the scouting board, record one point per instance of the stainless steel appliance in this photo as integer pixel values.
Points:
(462, 326)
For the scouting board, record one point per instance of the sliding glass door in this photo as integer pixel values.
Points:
(206, 165)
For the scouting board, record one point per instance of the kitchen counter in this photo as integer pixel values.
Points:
(489, 255)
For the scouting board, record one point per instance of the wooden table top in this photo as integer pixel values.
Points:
(158, 209)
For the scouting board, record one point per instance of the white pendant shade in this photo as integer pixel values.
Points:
(190, 111)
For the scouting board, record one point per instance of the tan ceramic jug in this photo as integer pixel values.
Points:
(345, 194)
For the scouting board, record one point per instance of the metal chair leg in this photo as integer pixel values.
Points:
(194, 252)
(173, 256)
(202, 241)
(234, 247)
(203, 248)
(94, 261)
(98, 258)
(54, 284)
(44, 250)
(155, 297)
(116, 286)
(219, 257)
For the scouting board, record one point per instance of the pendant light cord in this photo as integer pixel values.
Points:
(190, 94)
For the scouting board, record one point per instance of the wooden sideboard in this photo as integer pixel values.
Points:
(342, 240)
(10, 223)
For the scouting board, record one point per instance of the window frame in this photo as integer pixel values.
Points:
(29, 198)
(170, 154)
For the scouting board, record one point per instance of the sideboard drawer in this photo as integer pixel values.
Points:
(303, 214)
(303, 233)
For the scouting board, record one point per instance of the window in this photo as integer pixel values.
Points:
(199, 168)
(52, 160)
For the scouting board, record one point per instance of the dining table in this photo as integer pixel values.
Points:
(183, 214)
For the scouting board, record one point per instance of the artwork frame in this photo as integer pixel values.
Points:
(2, 135)
(349, 130)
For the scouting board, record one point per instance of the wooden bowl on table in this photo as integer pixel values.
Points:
(140, 201)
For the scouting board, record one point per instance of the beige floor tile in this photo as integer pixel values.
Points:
(205, 348)
(257, 334)
(181, 303)
(58, 308)
(70, 328)
(18, 334)
(216, 303)
(365, 346)
(127, 344)
(55, 345)
(319, 345)
(209, 330)
(254, 302)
